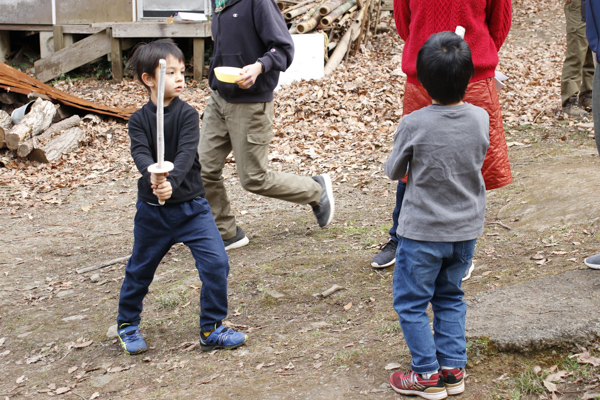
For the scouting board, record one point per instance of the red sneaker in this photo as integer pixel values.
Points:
(454, 380)
(412, 383)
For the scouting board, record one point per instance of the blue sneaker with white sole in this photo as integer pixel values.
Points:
(222, 338)
(131, 340)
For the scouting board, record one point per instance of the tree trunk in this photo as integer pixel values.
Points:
(55, 148)
(38, 141)
(5, 125)
(36, 121)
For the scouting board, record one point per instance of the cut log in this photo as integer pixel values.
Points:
(330, 6)
(286, 4)
(55, 148)
(297, 6)
(340, 50)
(328, 19)
(346, 17)
(309, 25)
(298, 11)
(5, 125)
(38, 141)
(36, 121)
(364, 22)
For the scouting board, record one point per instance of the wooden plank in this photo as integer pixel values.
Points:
(80, 53)
(84, 29)
(161, 29)
(198, 58)
(4, 45)
(116, 57)
(59, 38)
(30, 27)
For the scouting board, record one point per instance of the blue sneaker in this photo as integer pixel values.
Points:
(222, 338)
(131, 340)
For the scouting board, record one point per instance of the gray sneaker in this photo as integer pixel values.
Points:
(573, 108)
(238, 240)
(586, 101)
(593, 261)
(386, 257)
(469, 271)
(324, 210)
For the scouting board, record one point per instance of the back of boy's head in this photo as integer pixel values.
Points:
(146, 57)
(445, 67)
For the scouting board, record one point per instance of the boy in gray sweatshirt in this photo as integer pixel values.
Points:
(442, 148)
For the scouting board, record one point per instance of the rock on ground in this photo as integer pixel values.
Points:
(538, 314)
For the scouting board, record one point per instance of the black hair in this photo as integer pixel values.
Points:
(445, 67)
(146, 56)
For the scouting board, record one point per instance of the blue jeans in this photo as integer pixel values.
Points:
(596, 104)
(432, 272)
(155, 230)
(399, 197)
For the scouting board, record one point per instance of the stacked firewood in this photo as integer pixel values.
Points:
(35, 137)
(345, 23)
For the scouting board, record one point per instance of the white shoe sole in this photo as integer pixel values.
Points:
(592, 266)
(239, 243)
(439, 395)
(329, 190)
(375, 265)
(458, 389)
(469, 271)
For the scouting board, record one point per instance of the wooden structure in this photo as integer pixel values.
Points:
(108, 28)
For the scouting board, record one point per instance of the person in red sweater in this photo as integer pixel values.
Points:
(487, 23)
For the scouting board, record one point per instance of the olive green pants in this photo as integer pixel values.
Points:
(245, 128)
(578, 67)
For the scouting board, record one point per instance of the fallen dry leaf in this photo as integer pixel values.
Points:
(391, 366)
(586, 358)
(83, 344)
(556, 377)
(209, 379)
(550, 386)
(63, 390)
(348, 306)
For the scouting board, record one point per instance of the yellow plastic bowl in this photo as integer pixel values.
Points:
(228, 74)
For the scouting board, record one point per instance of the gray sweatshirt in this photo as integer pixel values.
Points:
(445, 192)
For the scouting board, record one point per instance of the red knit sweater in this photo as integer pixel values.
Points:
(487, 23)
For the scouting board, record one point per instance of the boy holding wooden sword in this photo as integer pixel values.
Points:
(185, 216)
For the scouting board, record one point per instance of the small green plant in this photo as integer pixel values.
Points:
(168, 300)
(389, 327)
(528, 382)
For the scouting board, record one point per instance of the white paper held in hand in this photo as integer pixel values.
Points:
(161, 165)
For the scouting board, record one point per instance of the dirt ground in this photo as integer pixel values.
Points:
(54, 321)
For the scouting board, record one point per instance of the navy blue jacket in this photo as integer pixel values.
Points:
(246, 31)
(181, 148)
(592, 27)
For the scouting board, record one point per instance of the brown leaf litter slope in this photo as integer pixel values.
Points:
(342, 124)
